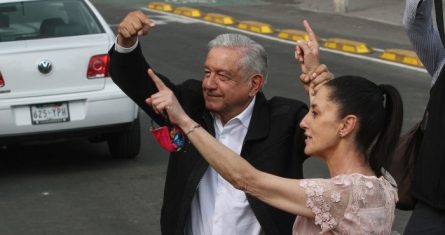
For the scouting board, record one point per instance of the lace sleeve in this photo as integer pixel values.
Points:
(328, 199)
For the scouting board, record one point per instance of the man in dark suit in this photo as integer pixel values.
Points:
(229, 104)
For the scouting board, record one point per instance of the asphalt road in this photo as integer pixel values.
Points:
(75, 188)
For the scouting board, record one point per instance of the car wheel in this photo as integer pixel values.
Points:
(126, 144)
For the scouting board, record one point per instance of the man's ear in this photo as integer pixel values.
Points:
(256, 82)
(348, 125)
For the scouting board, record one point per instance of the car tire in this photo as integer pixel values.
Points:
(126, 144)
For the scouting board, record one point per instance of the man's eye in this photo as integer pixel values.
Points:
(223, 77)
(206, 73)
(314, 114)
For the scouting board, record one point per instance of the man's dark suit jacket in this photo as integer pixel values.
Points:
(274, 143)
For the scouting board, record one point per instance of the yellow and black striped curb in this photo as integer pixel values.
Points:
(294, 35)
(255, 26)
(402, 56)
(187, 11)
(160, 6)
(344, 45)
(219, 19)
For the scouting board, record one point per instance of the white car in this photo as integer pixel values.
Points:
(54, 81)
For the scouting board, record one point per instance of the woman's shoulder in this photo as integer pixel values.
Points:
(370, 191)
(351, 202)
(366, 182)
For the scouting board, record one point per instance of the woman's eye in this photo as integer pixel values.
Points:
(314, 114)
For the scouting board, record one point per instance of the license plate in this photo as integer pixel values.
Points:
(50, 113)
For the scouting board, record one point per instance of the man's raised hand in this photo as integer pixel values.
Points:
(133, 25)
(308, 52)
(313, 74)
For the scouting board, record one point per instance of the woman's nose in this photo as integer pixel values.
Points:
(303, 123)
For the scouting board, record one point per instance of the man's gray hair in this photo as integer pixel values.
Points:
(255, 59)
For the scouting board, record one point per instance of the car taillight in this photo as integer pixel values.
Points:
(98, 66)
(2, 82)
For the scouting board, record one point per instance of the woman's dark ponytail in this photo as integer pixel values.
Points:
(381, 153)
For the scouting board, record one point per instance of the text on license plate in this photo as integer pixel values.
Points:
(50, 113)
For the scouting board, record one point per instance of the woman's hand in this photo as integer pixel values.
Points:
(164, 102)
(319, 76)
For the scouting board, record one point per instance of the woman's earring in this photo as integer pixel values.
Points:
(340, 134)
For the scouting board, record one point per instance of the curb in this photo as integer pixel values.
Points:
(187, 11)
(256, 27)
(347, 45)
(219, 18)
(402, 56)
(160, 6)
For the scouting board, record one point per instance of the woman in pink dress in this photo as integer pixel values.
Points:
(353, 125)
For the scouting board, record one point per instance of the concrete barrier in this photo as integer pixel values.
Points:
(401, 56)
(255, 26)
(187, 11)
(347, 45)
(219, 18)
(294, 35)
(160, 6)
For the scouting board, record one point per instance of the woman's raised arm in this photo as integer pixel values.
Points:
(282, 193)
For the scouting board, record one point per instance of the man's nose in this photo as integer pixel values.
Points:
(210, 82)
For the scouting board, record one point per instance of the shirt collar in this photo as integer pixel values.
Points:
(244, 117)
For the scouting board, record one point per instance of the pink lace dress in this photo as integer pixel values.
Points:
(348, 204)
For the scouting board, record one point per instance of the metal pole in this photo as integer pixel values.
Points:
(341, 6)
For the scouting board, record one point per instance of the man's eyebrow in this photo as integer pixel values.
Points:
(223, 71)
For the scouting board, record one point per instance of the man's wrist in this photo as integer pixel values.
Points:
(122, 49)
(126, 42)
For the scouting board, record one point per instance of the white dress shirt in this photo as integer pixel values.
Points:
(217, 207)
(122, 49)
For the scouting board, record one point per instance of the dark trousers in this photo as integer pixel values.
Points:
(426, 220)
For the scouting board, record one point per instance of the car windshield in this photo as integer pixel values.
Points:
(46, 19)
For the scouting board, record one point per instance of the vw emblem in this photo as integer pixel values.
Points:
(45, 66)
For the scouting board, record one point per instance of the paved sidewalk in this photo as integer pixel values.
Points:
(385, 11)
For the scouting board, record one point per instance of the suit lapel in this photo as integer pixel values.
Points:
(207, 119)
(200, 164)
(260, 122)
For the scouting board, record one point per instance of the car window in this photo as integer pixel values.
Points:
(46, 19)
